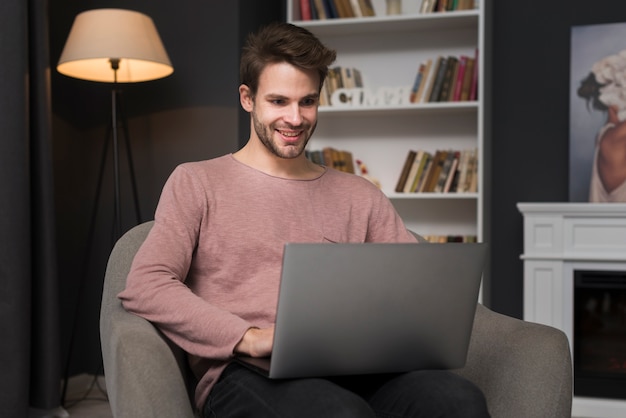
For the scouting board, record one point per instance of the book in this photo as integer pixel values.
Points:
(465, 5)
(446, 85)
(367, 8)
(344, 8)
(358, 77)
(328, 156)
(467, 80)
(404, 174)
(413, 172)
(428, 6)
(431, 78)
(347, 161)
(453, 174)
(305, 10)
(356, 8)
(314, 15)
(341, 160)
(419, 176)
(473, 172)
(433, 173)
(453, 81)
(426, 81)
(458, 82)
(421, 186)
(348, 79)
(334, 81)
(315, 156)
(446, 165)
(331, 9)
(418, 81)
(474, 87)
(468, 167)
(320, 9)
(463, 163)
(439, 74)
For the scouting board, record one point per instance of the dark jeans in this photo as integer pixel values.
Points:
(243, 393)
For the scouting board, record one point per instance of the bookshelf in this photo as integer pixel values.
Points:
(388, 50)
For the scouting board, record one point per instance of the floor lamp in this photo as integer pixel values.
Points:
(113, 46)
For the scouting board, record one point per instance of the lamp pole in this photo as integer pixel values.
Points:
(115, 65)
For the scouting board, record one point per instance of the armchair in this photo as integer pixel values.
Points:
(523, 368)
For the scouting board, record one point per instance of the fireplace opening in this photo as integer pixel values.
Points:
(600, 334)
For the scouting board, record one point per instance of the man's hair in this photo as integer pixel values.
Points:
(283, 42)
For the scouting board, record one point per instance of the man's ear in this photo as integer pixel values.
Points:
(245, 98)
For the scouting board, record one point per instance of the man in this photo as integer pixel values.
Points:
(208, 273)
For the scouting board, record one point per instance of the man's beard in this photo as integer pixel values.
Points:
(265, 134)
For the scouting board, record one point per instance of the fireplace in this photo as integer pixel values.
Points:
(575, 280)
(600, 333)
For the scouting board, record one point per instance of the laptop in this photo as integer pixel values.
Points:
(350, 309)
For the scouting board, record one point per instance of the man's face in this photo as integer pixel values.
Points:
(284, 111)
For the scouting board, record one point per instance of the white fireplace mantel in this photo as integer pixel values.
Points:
(558, 239)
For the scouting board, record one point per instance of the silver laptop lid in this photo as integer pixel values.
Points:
(375, 308)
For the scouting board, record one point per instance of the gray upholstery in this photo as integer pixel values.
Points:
(523, 368)
(145, 374)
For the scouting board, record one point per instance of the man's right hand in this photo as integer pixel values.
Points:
(256, 342)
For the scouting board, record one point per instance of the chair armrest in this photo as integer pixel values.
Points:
(145, 373)
(140, 366)
(523, 368)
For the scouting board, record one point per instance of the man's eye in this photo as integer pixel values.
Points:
(278, 102)
(309, 102)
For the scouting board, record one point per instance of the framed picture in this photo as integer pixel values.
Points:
(597, 169)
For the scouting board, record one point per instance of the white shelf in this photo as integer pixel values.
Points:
(432, 196)
(412, 23)
(388, 50)
(423, 108)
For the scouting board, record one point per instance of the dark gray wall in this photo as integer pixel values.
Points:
(531, 53)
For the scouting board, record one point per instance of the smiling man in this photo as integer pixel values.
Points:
(208, 273)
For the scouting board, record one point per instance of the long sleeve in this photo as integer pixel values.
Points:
(156, 288)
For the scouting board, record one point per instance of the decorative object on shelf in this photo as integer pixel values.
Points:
(115, 46)
(365, 173)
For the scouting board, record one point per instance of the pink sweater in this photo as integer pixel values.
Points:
(210, 267)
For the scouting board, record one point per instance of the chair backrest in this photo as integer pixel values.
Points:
(146, 375)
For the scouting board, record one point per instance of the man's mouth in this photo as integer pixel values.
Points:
(290, 135)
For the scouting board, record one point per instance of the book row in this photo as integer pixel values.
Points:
(450, 238)
(330, 157)
(431, 6)
(444, 171)
(332, 9)
(446, 79)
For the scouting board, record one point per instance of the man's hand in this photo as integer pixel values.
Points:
(256, 342)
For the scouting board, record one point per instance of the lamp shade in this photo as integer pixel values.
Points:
(99, 35)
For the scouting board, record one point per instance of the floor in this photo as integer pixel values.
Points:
(86, 398)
